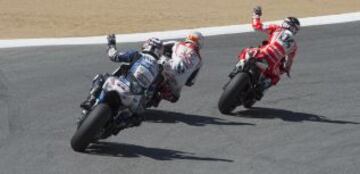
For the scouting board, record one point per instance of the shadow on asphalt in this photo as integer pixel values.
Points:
(135, 151)
(286, 115)
(158, 116)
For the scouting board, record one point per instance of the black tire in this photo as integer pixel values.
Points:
(229, 98)
(92, 124)
(249, 103)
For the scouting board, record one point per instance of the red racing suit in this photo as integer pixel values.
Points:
(278, 51)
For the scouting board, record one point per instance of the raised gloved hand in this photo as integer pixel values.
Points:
(257, 11)
(111, 40)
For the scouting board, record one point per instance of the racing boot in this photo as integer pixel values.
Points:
(155, 101)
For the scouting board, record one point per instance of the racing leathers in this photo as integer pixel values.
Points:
(142, 72)
(278, 51)
(181, 65)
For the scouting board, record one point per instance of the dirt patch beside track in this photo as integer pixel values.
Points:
(53, 18)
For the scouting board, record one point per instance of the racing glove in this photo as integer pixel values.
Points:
(111, 41)
(257, 12)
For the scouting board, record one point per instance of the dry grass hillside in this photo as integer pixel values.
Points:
(58, 18)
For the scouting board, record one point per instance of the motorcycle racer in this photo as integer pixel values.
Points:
(277, 52)
(181, 64)
(143, 69)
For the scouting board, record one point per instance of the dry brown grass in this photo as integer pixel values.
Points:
(58, 18)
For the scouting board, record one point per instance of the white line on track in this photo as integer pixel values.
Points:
(137, 37)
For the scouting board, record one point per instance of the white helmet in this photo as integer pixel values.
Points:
(153, 46)
(292, 24)
(195, 37)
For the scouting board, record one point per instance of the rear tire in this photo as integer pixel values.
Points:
(93, 123)
(229, 98)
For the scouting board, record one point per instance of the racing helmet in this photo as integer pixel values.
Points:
(195, 37)
(153, 46)
(292, 24)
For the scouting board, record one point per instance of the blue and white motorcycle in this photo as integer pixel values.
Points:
(123, 95)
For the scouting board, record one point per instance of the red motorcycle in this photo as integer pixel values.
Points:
(244, 83)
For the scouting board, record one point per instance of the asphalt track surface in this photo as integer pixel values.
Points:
(307, 124)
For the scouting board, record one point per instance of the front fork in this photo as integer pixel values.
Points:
(94, 94)
(236, 70)
(99, 80)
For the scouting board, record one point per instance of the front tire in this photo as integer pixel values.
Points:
(249, 103)
(230, 97)
(93, 123)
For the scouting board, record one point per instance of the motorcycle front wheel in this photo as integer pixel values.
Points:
(229, 99)
(87, 130)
